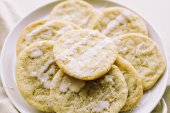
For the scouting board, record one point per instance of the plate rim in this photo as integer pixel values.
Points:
(52, 2)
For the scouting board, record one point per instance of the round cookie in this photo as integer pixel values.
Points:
(134, 83)
(77, 11)
(144, 55)
(43, 30)
(107, 94)
(116, 21)
(85, 54)
(35, 69)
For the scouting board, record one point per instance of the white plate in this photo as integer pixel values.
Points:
(8, 60)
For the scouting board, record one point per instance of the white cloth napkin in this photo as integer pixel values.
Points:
(8, 17)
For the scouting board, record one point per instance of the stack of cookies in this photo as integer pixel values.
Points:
(83, 61)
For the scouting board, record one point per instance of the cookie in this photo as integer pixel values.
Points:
(115, 21)
(85, 54)
(107, 94)
(134, 83)
(77, 11)
(144, 54)
(35, 69)
(43, 30)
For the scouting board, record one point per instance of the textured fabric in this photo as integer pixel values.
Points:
(5, 105)
(8, 18)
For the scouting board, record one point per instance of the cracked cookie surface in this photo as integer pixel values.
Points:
(35, 70)
(106, 94)
(144, 54)
(85, 54)
(115, 21)
(43, 30)
(77, 11)
(134, 83)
